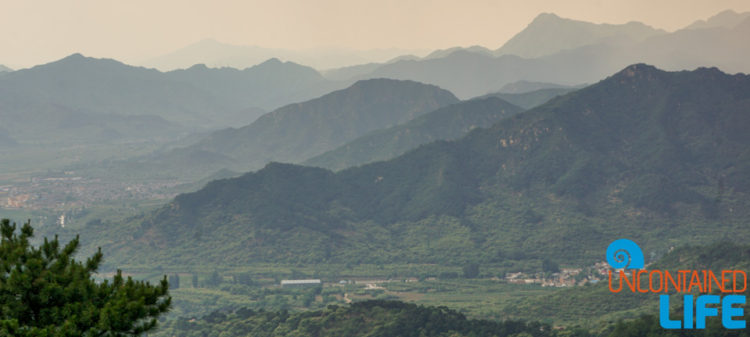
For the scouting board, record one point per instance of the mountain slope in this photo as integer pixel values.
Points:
(446, 123)
(299, 131)
(643, 154)
(549, 34)
(4, 69)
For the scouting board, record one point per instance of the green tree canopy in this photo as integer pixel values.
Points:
(45, 292)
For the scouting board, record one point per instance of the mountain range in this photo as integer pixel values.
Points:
(217, 54)
(85, 99)
(299, 131)
(80, 99)
(268, 85)
(549, 34)
(4, 69)
(724, 19)
(558, 50)
(659, 157)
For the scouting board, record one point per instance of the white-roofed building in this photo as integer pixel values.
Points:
(300, 283)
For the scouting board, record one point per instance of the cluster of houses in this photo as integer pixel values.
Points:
(64, 192)
(566, 277)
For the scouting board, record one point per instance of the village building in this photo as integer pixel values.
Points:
(300, 283)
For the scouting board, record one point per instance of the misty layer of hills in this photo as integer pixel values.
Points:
(667, 151)
(725, 19)
(299, 131)
(81, 99)
(216, 54)
(558, 50)
(304, 129)
(369, 121)
(549, 34)
(582, 53)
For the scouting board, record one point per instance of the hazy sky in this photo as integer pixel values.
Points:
(39, 31)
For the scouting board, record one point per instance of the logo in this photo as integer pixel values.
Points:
(626, 258)
(624, 253)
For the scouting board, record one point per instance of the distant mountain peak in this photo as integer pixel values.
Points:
(475, 49)
(561, 34)
(198, 66)
(638, 71)
(271, 61)
(276, 63)
(727, 12)
(543, 17)
(74, 56)
(639, 68)
(77, 60)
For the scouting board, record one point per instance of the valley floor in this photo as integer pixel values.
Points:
(203, 290)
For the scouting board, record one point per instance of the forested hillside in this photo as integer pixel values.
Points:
(372, 318)
(640, 153)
